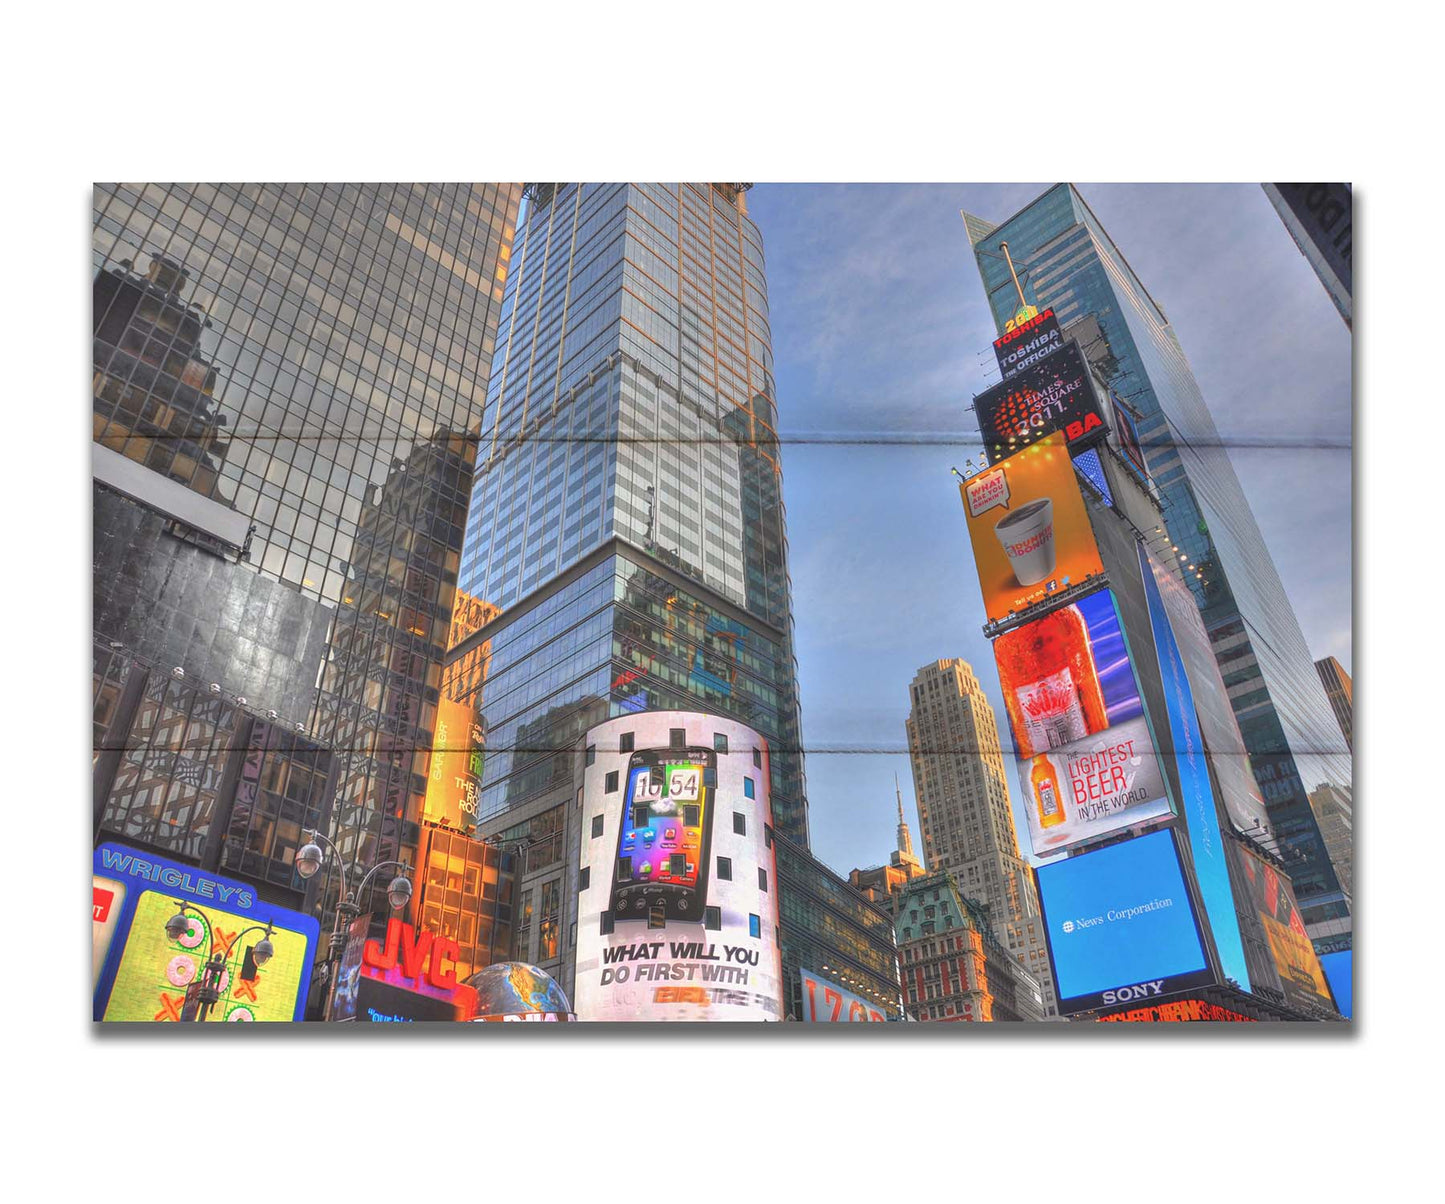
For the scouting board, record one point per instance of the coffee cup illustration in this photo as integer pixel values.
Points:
(1027, 536)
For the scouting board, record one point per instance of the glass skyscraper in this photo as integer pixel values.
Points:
(289, 383)
(627, 519)
(1067, 261)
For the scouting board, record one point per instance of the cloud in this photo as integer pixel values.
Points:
(881, 329)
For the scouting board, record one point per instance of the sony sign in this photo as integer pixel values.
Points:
(1138, 991)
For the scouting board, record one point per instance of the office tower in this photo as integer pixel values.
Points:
(1335, 812)
(289, 382)
(951, 965)
(627, 517)
(1321, 220)
(1340, 690)
(963, 805)
(834, 933)
(1067, 261)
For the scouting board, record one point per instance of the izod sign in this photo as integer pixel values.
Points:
(1054, 393)
(826, 1003)
(1028, 342)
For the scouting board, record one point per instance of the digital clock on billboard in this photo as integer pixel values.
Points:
(1055, 394)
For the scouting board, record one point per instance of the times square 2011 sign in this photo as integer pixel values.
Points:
(1055, 394)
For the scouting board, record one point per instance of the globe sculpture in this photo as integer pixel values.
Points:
(517, 991)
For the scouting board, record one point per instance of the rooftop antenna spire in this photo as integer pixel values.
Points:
(905, 851)
(1018, 288)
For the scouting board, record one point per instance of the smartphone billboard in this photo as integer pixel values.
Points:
(677, 915)
(1120, 925)
(1086, 759)
(1030, 532)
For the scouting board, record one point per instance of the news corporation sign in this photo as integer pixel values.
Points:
(1121, 925)
(677, 915)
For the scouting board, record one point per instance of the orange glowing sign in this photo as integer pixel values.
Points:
(1182, 1010)
(454, 779)
(1030, 531)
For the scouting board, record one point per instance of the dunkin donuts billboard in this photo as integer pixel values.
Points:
(1030, 532)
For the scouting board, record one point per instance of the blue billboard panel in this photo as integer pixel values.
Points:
(1120, 925)
(1339, 971)
(1196, 803)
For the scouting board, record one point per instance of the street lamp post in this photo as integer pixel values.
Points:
(309, 859)
(213, 969)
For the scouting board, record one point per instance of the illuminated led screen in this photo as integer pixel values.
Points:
(1120, 925)
(1339, 971)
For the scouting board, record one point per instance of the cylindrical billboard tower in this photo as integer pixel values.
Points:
(677, 914)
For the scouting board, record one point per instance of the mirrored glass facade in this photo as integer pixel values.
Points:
(1069, 262)
(315, 359)
(627, 519)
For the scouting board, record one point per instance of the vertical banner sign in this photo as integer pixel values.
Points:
(1201, 812)
(1324, 216)
(1087, 766)
(1294, 956)
(677, 909)
(1030, 532)
(454, 778)
(348, 976)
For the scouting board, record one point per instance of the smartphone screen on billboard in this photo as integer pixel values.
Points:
(665, 835)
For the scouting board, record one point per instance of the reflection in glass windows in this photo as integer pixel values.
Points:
(314, 357)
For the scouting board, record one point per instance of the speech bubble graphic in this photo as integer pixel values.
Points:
(986, 491)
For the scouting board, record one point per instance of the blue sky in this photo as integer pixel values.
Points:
(880, 331)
